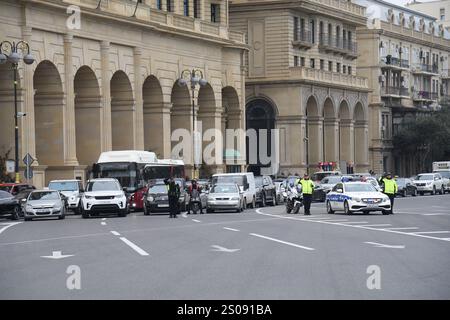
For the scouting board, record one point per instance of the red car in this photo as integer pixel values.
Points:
(136, 200)
(17, 188)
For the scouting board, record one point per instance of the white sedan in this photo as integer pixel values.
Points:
(357, 196)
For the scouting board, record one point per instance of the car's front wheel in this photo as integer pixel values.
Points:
(442, 190)
(329, 208)
(16, 213)
(347, 208)
(85, 214)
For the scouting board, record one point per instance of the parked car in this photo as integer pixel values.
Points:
(104, 196)
(136, 199)
(72, 190)
(352, 197)
(9, 206)
(406, 187)
(318, 176)
(225, 196)
(19, 190)
(156, 199)
(374, 182)
(265, 191)
(429, 183)
(329, 182)
(245, 181)
(44, 204)
(445, 179)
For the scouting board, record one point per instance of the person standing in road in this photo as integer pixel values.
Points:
(307, 191)
(173, 191)
(390, 189)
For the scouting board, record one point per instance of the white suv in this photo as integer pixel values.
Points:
(72, 190)
(105, 196)
(429, 182)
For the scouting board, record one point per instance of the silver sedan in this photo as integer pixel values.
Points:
(44, 204)
(226, 196)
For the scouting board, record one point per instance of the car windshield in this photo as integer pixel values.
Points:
(4, 195)
(158, 188)
(331, 180)
(401, 182)
(44, 195)
(224, 189)
(425, 177)
(6, 188)
(359, 187)
(63, 186)
(258, 181)
(445, 174)
(103, 186)
(239, 180)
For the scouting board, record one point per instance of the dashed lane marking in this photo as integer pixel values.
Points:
(430, 232)
(134, 247)
(103, 223)
(281, 241)
(195, 220)
(356, 222)
(231, 229)
(115, 233)
(377, 225)
(403, 228)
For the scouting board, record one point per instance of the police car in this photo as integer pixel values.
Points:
(356, 196)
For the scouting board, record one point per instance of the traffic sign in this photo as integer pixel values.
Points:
(10, 166)
(28, 173)
(28, 160)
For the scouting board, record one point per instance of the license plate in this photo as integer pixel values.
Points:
(42, 211)
(370, 205)
(163, 205)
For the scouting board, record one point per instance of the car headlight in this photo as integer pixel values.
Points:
(430, 183)
(89, 197)
(29, 206)
(58, 208)
(356, 199)
(150, 199)
(235, 198)
(211, 198)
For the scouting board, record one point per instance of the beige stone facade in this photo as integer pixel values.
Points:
(112, 84)
(439, 9)
(405, 56)
(302, 80)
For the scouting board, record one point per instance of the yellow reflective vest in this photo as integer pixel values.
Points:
(390, 186)
(307, 186)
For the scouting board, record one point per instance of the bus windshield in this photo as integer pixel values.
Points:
(163, 171)
(126, 173)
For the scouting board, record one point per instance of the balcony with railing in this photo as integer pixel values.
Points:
(444, 100)
(421, 95)
(394, 91)
(394, 62)
(426, 69)
(328, 77)
(338, 45)
(302, 39)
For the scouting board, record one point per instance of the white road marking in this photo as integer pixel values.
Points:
(380, 245)
(430, 232)
(223, 249)
(316, 218)
(184, 215)
(337, 220)
(133, 246)
(356, 222)
(57, 255)
(376, 225)
(115, 233)
(104, 219)
(8, 225)
(435, 214)
(281, 241)
(403, 228)
(362, 227)
(195, 220)
(231, 229)
(103, 223)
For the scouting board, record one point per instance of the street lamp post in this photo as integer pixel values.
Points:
(195, 77)
(13, 52)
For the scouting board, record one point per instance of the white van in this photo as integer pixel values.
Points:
(245, 181)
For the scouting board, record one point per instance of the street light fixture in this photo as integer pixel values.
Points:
(194, 77)
(14, 52)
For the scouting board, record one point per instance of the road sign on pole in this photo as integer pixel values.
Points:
(28, 160)
(28, 173)
(10, 166)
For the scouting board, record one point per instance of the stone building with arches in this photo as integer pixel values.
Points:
(112, 83)
(301, 80)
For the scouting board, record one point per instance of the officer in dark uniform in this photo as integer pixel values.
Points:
(173, 191)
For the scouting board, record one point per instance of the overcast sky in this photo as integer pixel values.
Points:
(403, 2)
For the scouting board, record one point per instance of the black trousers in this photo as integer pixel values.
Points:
(307, 199)
(391, 197)
(173, 206)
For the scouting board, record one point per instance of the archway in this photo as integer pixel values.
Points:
(87, 116)
(48, 114)
(156, 118)
(122, 112)
(7, 110)
(345, 135)
(260, 115)
(331, 132)
(314, 134)
(231, 120)
(209, 117)
(360, 137)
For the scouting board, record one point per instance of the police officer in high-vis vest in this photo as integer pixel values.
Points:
(390, 189)
(307, 191)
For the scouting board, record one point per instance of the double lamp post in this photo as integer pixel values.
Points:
(193, 77)
(14, 52)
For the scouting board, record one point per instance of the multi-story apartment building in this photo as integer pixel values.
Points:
(109, 81)
(301, 80)
(439, 9)
(405, 56)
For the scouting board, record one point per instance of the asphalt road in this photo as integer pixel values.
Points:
(258, 254)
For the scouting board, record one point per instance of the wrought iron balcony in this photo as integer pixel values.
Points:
(394, 91)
